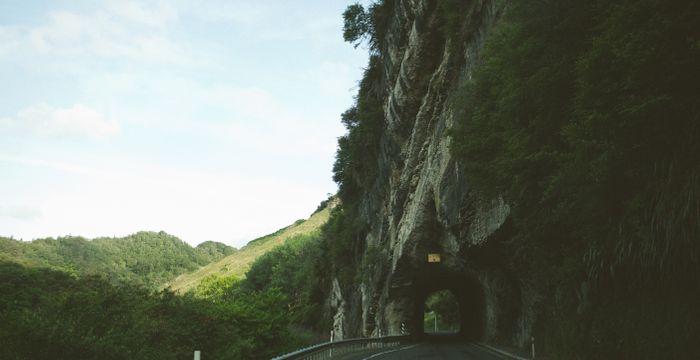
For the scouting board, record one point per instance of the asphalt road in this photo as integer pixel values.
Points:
(429, 351)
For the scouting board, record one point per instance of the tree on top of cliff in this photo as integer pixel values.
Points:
(366, 25)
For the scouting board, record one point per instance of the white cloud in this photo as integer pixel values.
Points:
(9, 39)
(20, 212)
(251, 135)
(291, 23)
(237, 11)
(253, 118)
(53, 165)
(131, 30)
(77, 121)
(246, 103)
(150, 13)
(120, 197)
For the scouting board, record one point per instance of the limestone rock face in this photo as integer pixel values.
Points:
(337, 302)
(421, 201)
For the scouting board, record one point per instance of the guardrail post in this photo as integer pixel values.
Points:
(533, 347)
(197, 355)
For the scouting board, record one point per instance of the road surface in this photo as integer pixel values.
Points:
(429, 351)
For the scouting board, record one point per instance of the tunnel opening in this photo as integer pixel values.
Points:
(441, 314)
(466, 318)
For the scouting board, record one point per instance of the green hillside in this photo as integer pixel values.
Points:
(239, 262)
(49, 314)
(145, 258)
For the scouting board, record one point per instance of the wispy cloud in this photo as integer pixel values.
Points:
(237, 11)
(132, 30)
(20, 212)
(76, 121)
(150, 13)
(50, 164)
(189, 117)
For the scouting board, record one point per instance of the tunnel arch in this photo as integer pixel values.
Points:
(469, 295)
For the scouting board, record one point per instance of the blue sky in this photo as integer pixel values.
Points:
(212, 120)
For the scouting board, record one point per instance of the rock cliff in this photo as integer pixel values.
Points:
(534, 159)
(420, 201)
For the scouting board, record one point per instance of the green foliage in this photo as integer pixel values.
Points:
(584, 117)
(146, 258)
(342, 243)
(356, 166)
(240, 262)
(290, 268)
(325, 203)
(261, 314)
(214, 250)
(48, 314)
(367, 25)
(444, 305)
(217, 288)
(300, 269)
(575, 122)
(356, 26)
(452, 14)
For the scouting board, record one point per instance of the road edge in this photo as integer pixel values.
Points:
(499, 351)
(390, 351)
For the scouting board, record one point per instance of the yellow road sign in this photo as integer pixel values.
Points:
(433, 258)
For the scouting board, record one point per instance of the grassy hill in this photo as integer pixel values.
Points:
(146, 258)
(239, 262)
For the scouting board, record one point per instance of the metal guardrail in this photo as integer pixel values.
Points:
(330, 349)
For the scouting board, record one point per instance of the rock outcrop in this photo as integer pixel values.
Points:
(421, 201)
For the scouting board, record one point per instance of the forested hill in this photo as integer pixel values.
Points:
(238, 263)
(146, 258)
(48, 313)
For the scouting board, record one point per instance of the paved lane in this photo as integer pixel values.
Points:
(430, 351)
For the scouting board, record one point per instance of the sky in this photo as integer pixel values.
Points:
(209, 120)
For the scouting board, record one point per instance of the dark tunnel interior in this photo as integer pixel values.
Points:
(469, 295)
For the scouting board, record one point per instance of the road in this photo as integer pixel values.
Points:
(430, 351)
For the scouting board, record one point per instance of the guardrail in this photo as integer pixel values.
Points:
(330, 349)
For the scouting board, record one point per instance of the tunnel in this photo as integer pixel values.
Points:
(430, 264)
(411, 291)
(470, 300)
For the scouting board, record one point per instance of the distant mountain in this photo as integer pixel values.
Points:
(239, 262)
(145, 258)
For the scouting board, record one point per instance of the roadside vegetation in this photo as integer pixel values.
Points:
(584, 116)
(50, 314)
(69, 298)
